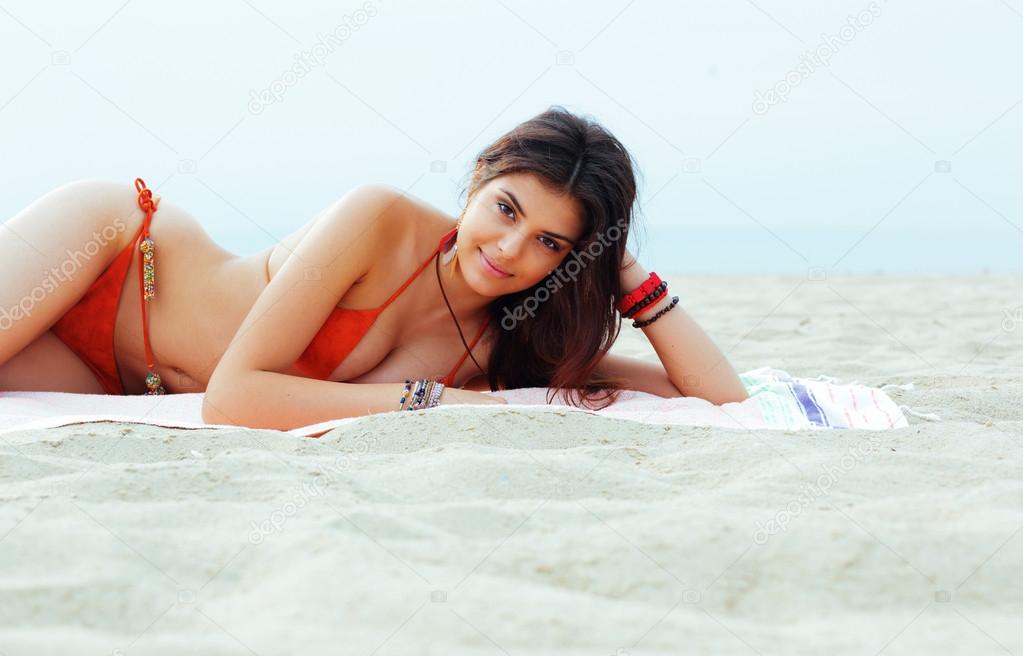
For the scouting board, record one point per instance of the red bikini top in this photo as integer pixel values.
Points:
(345, 327)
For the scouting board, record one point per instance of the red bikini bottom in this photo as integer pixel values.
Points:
(88, 327)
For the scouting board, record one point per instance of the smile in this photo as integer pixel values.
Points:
(491, 268)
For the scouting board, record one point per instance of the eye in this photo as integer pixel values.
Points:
(550, 243)
(553, 244)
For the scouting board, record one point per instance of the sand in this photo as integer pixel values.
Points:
(493, 530)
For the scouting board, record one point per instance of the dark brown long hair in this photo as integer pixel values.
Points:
(554, 333)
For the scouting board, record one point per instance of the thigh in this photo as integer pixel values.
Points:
(54, 249)
(48, 365)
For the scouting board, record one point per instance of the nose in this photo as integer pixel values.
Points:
(510, 244)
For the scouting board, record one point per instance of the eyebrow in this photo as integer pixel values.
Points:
(515, 202)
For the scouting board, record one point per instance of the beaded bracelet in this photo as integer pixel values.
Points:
(653, 303)
(434, 400)
(660, 313)
(429, 396)
(648, 300)
(421, 394)
(404, 396)
(425, 389)
(411, 395)
(417, 394)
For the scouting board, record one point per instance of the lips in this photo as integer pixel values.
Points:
(492, 268)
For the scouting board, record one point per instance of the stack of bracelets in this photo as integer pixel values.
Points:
(642, 298)
(424, 393)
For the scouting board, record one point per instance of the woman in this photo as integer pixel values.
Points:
(529, 283)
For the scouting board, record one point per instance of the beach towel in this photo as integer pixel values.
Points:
(777, 401)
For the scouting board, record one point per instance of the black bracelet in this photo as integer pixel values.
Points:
(660, 313)
(652, 297)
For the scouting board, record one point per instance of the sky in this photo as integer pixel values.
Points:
(771, 137)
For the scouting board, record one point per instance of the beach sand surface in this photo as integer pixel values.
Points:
(493, 530)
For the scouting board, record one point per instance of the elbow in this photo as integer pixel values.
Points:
(717, 397)
(218, 404)
(213, 412)
(731, 396)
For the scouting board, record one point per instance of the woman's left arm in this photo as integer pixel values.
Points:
(692, 361)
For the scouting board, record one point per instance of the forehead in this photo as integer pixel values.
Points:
(540, 202)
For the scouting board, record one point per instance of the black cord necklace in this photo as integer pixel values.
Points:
(436, 268)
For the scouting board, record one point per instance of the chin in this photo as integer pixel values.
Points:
(484, 285)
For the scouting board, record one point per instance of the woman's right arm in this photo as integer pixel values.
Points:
(247, 388)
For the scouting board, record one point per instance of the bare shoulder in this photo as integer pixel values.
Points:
(410, 212)
(369, 206)
(359, 218)
(364, 223)
(408, 225)
(396, 210)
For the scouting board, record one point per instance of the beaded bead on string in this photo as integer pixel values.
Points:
(148, 249)
(153, 383)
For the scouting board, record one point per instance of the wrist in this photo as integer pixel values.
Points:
(663, 300)
(632, 276)
(644, 300)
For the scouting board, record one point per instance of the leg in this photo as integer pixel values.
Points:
(53, 250)
(48, 365)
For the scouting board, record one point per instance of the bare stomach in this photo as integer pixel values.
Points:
(202, 295)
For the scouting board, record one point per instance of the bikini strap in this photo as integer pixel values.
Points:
(147, 278)
(449, 379)
(422, 266)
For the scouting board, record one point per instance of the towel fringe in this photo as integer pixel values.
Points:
(906, 386)
(922, 415)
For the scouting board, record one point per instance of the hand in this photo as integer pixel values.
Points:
(455, 395)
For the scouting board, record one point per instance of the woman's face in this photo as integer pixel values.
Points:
(519, 226)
